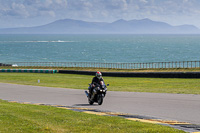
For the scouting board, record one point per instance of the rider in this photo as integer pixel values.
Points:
(95, 81)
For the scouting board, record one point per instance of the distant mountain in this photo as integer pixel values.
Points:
(70, 26)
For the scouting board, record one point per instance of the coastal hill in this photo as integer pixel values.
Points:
(70, 26)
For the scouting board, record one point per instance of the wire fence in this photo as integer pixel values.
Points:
(150, 65)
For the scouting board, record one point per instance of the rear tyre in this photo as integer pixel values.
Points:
(90, 101)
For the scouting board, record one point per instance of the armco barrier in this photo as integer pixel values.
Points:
(29, 70)
(147, 65)
(139, 74)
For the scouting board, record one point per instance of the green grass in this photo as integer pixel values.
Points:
(155, 85)
(15, 118)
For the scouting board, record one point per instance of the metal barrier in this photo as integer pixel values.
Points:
(29, 70)
(150, 65)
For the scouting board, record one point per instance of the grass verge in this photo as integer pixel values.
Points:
(131, 84)
(15, 117)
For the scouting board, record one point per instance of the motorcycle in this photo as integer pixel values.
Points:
(98, 93)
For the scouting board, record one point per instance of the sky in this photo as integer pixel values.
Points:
(27, 13)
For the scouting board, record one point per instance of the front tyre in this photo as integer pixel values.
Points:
(100, 99)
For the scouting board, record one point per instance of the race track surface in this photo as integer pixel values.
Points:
(180, 107)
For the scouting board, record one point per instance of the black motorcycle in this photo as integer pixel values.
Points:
(98, 93)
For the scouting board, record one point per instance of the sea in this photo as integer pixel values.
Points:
(116, 48)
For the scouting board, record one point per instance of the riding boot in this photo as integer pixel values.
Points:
(93, 94)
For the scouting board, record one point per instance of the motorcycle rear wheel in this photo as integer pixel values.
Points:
(90, 101)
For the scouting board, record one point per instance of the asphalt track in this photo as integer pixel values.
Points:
(180, 107)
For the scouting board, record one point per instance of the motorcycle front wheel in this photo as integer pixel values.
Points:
(100, 99)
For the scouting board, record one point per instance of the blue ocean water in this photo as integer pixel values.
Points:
(99, 48)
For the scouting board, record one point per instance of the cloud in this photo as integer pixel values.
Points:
(143, 1)
(31, 8)
(92, 8)
(101, 10)
(172, 11)
(18, 10)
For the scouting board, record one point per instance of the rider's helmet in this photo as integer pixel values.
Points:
(98, 75)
